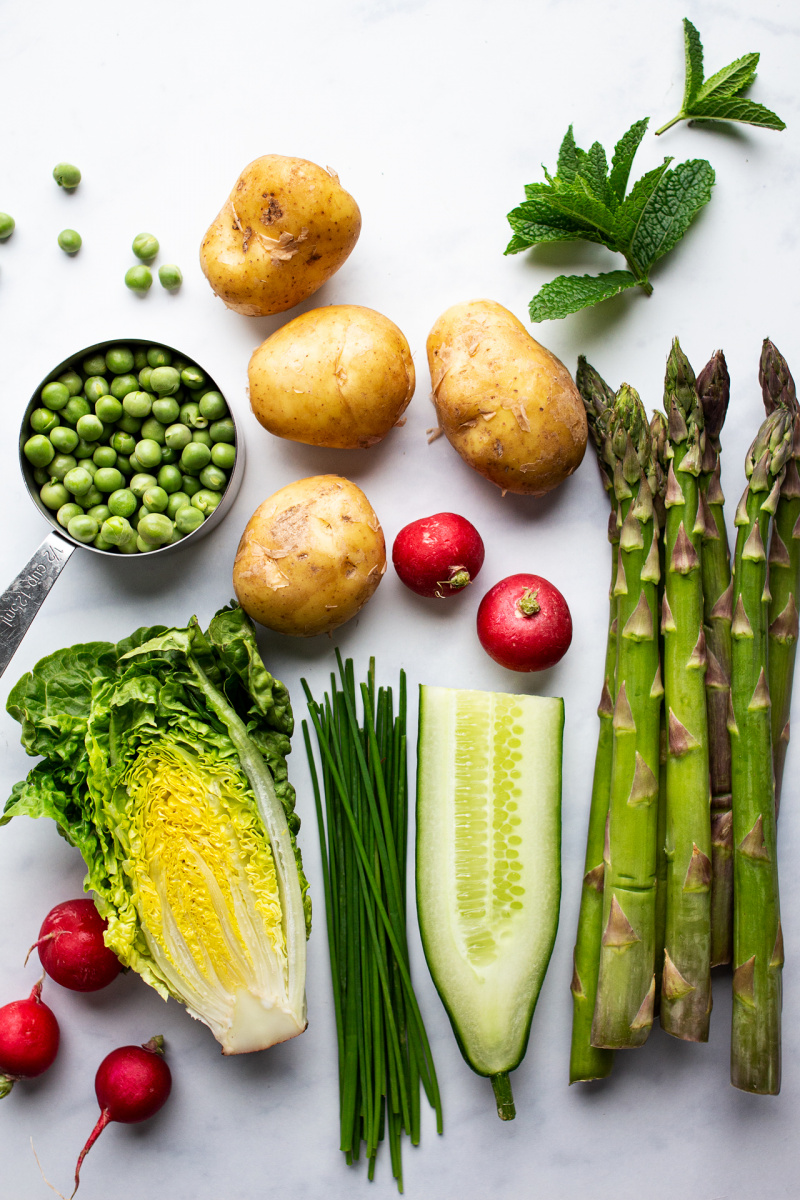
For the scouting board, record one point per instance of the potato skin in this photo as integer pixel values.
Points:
(507, 405)
(338, 376)
(285, 228)
(310, 557)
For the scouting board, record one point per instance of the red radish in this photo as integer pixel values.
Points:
(131, 1084)
(524, 623)
(72, 950)
(439, 555)
(28, 1039)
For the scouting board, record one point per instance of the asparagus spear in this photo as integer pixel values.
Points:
(713, 388)
(757, 936)
(686, 980)
(784, 561)
(586, 1062)
(658, 432)
(623, 1012)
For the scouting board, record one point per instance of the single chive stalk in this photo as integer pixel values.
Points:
(686, 978)
(623, 1014)
(757, 936)
(587, 1062)
(713, 388)
(784, 561)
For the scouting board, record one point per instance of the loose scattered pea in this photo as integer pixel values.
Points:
(7, 224)
(145, 246)
(66, 175)
(70, 241)
(170, 277)
(138, 279)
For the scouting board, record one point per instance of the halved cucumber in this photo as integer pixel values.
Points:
(489, 865)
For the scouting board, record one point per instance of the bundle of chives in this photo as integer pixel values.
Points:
(384, 1053)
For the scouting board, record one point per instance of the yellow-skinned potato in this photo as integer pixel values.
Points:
(507, 405)
(310, 557)
(338, 376)
(286, 227)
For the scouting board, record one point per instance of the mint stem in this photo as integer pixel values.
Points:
(669, 124)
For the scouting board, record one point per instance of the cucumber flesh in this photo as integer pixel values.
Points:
(489, 864)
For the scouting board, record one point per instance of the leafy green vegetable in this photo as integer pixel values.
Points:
(165, 765)
(584, 200)
(720, 98)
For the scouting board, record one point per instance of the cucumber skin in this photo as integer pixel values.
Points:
(516, 1058)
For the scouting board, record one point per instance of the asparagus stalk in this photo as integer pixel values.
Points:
(784, 561)
(686, 980)
(757, 936)
(713, 388)
(658, 432)
(623, 1012)
(586, 1062)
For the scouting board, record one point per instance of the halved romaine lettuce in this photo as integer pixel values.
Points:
(165, 764)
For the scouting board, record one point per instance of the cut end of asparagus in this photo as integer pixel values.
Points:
(504, 1097)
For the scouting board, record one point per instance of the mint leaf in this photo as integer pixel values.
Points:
(624, 153)
(719, 98)
(633, 209)
(593, 168)
(567, 158)
(569, 293)
(670, 210)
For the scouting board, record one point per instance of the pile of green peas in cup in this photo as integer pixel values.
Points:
(133, 451)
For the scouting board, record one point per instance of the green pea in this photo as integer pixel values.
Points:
(42, 420)
(140, 483)
(83, 528)
(223, 455)
(70, 241)
(203, 437)
(123, 443)
(72, 382)
(78, 481)
(66, 175)
(155, 528)
(137, 404)
(108, 479)
(108, 409)
(101, 543)
(39, 450)
(206, 500)
(144, 547)
(131, 546)
(123, 385)
(119, 360)
(104, 456)
(158, 356)
(55, 396)
(90, 428)
(213, 478)
(88, 464)
(144, 378)
(95, 387)
(148, 454)
(138, 279)
(169, 478)
(116, 529)
(122, 502)
(67, 512)
(90, 498)
(100, 512)
(177, 500)
(168, 455)
(178, 436)
(41, 475)
(166, 410)
(139, 358)
(223, 431)
(84, 449)
(76, 408)
(61, 464)
(156, 499)
(192, 378)
(7, 224)
(53, 495)
(123, 465)
(212, 406)
(129, 424)
(145, 246)
(191, 485)
(194, 457)
(165, 381)
(153, 429)
(188, 518)
(190, 415)
(64, 439)
(170, 277)
(95, 365)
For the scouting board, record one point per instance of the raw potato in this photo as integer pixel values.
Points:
(507, 405)
(310, 557)
(285, 228)
(338, 376)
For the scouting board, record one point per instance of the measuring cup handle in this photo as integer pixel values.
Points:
(20, 602)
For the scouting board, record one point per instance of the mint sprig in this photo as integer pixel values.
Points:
(585, 200)
(719, 98)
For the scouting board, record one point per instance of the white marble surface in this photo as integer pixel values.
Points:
(434, 113)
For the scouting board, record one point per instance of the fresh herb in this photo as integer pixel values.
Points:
(720, 98)
(384, 1053)
(584, 200)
